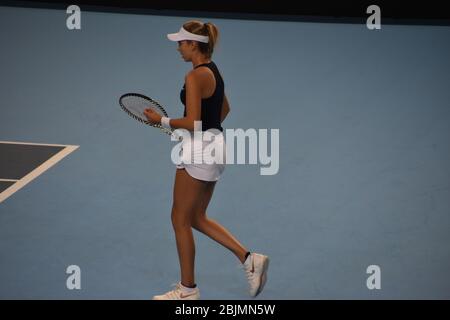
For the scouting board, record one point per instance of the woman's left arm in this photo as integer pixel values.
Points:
(193, 105)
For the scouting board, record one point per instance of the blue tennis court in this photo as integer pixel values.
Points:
(364, 125)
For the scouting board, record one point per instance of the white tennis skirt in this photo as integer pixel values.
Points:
(203, 160)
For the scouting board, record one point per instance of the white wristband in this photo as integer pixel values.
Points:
(165, 122)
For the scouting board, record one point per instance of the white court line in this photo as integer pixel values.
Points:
(35, 144)
(39, 170)
(8, 180)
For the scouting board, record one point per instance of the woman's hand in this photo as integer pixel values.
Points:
(152, 116)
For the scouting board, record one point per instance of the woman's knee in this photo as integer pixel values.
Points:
(199, 221)
(180, 219)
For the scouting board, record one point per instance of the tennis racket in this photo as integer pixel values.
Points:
(134, 105)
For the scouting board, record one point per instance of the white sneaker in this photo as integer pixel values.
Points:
(180, 293)
(255, 268)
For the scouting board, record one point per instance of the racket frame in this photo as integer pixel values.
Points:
(147, 122)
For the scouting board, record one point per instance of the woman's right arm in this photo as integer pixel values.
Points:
(225, 108)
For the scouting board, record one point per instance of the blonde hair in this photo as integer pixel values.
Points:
(204, 29)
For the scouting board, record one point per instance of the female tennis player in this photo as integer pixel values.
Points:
(204, 99)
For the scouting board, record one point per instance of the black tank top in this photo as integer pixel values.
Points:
(211, 108)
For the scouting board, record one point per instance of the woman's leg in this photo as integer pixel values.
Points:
(186, 197)
(213, 229)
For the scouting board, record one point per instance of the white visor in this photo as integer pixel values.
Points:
(186, 35)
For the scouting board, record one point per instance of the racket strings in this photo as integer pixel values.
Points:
(135, 104)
